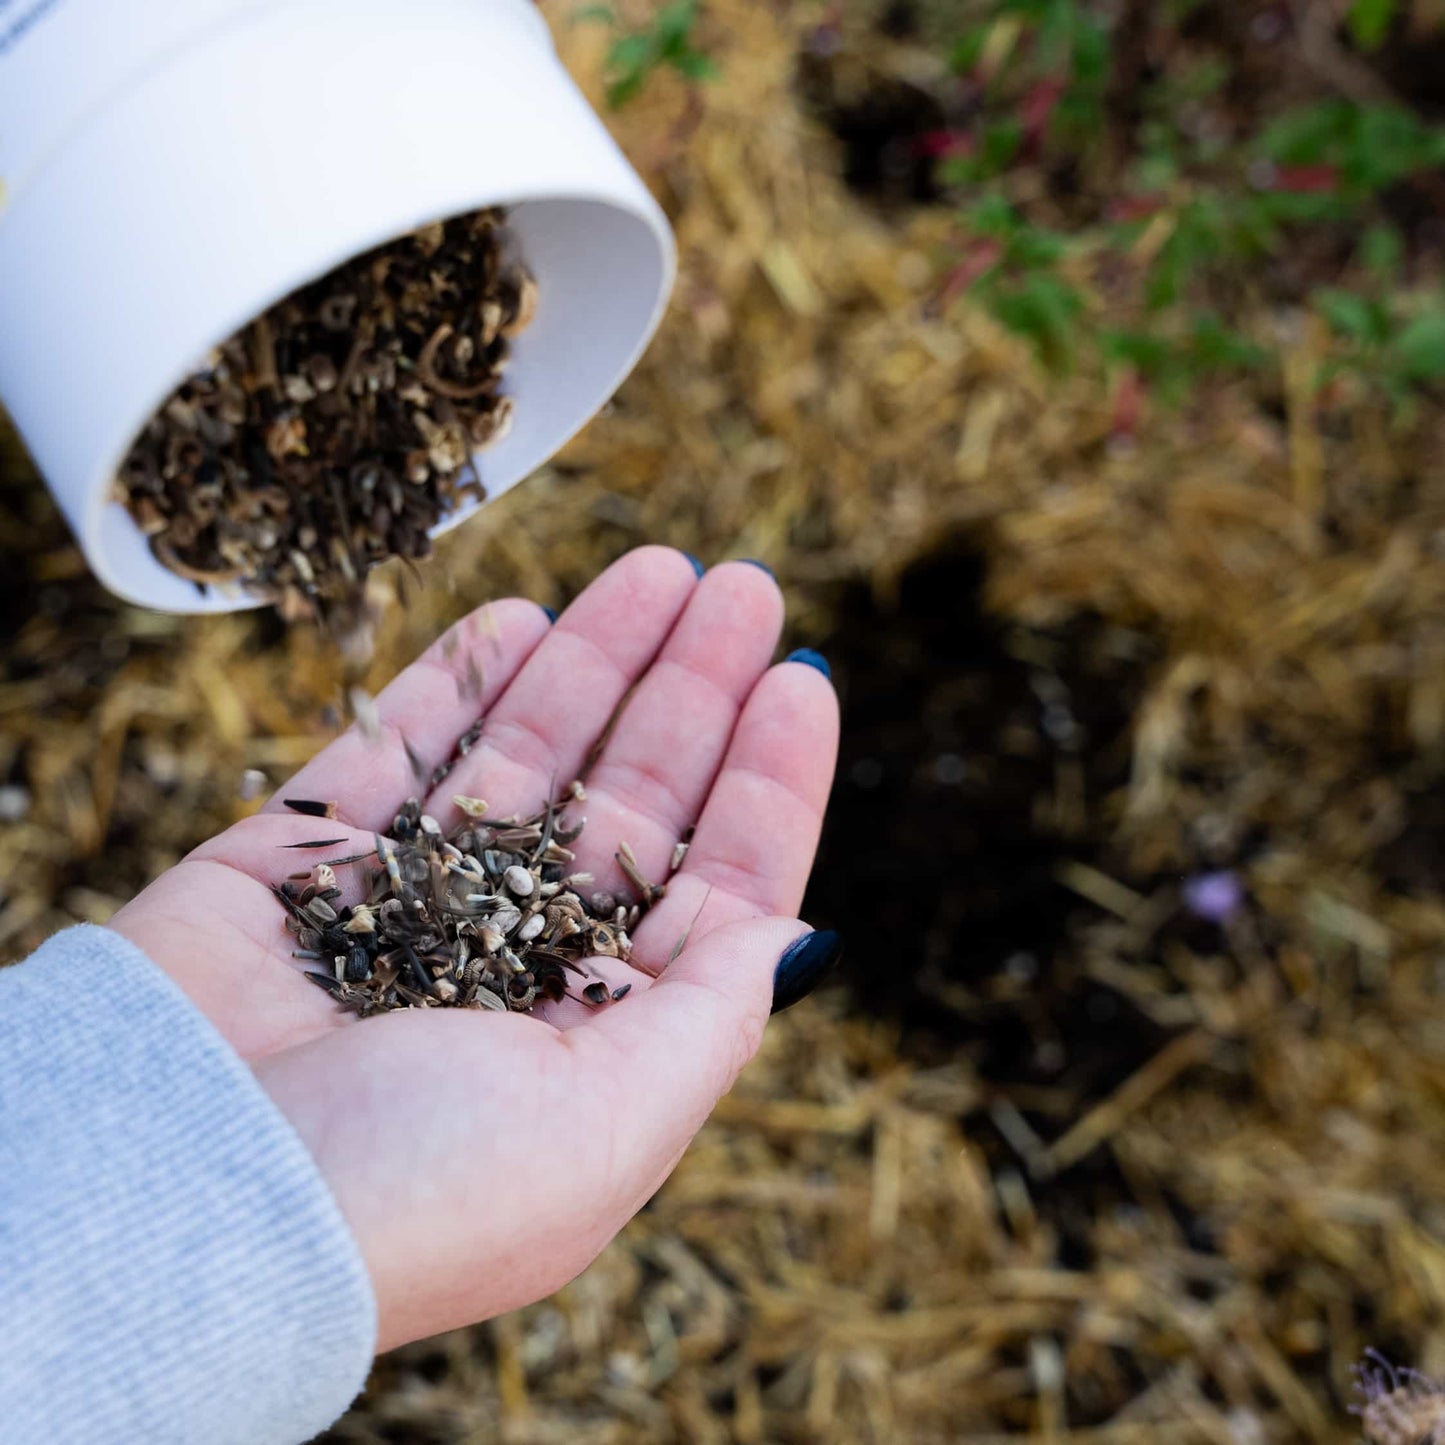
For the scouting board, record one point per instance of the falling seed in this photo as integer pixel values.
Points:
(488, 621)
(368, 716)
(253, 784)
(681, 943)
(416, 762)
(310, 808)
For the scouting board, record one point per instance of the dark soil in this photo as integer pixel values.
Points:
(945, 837)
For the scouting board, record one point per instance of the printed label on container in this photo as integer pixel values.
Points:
(63, 61)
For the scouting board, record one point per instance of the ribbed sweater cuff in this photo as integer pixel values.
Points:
(173, 1266)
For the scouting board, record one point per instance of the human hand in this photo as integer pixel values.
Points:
(484, 1159)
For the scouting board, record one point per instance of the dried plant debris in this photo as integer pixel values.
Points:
(491, 917)
(339, 428)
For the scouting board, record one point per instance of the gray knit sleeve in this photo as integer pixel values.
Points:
(172, 1264)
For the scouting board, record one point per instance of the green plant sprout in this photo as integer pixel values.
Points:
(638, 54)
(1182, 221)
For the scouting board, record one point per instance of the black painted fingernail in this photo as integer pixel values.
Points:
(809, 658)
(806, 963)
(551, 613)
(761, 566)
(696, 565)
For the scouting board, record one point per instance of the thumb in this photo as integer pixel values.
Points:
(684, 1041)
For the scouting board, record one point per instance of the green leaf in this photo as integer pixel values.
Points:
(1216, 347)
(1042, 309)
(674, 24)
(1057, 27)
(592, 14)
(1306, 136)
(626, 88)
(993, 216)
(1001, 142)
(1369, 22)
(1419, 349)
(631, 53)
(1150, 354)
(696, 66)
(968, 48)
(1353, 317)
(1034, 247)
(1382, 252)
(1091, 52)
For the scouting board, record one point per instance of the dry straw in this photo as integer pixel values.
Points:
(849, 1254)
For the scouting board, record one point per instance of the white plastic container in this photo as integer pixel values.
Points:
(171, 168)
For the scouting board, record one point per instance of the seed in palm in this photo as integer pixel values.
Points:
(492, 916)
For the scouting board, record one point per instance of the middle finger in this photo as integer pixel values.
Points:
(537, 737)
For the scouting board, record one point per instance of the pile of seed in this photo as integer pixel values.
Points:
(335, 431)
(490, 917)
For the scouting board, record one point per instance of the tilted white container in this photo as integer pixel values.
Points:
(171, 168)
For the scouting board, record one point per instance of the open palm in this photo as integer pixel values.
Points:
(484, 1159)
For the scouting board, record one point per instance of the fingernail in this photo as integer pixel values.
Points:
(696, 565)
(551, 613)
(809, 658)
(761, 566)
(806, 963)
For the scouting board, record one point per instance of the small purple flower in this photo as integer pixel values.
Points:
(1214, 897)
(1400, 1406)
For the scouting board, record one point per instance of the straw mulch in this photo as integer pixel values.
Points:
(890, 1233)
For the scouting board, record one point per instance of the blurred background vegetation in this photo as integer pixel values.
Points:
(1078, 367)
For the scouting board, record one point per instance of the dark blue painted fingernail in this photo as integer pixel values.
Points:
(551, 613)
(761, 566)
(696, 565)
(809, 658)
(806, 963)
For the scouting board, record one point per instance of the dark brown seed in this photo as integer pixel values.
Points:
(318, 843)
(596, 993)
(621, 991)
(311, 809)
